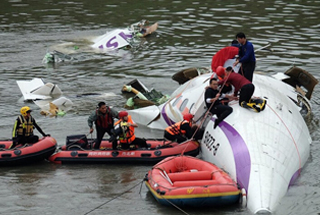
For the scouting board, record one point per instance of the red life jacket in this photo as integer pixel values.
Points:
(104, 121)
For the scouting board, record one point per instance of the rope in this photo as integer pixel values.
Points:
(112, 199)
(206, 113)
(176, 207)
(20, 147)
(290, 136)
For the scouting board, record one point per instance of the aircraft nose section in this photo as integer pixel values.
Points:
(263, 211)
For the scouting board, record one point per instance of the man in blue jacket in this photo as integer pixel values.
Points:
(246, 57)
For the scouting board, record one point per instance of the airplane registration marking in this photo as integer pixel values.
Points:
(210, 143)
(113, 44)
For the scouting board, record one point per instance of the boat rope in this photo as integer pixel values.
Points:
(205, 115)
(113, 198)
(290, 136)
(17, 147)
(176, 206)
(207, 112)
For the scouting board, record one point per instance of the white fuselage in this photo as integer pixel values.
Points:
(264, 152)
(115, 39)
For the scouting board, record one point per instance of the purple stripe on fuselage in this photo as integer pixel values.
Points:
(240, 153)
(294, 177)
(165, 116)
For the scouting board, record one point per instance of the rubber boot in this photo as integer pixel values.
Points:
(261, 102)
(251, 106)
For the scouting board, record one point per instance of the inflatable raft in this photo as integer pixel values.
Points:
(28, 153)
(78, 150)
(188, 181)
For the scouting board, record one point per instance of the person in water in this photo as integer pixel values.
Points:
(103, 117)
(215, 103)
(180, 131)
(23, 128)
(125, 129)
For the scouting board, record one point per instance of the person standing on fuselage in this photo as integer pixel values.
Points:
(246, 57)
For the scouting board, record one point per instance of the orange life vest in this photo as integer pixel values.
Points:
(176, 128)
(127, 135)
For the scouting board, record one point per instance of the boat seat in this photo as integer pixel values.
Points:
(195, 183)
(190, 176)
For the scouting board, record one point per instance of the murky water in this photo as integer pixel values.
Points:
(189, 33)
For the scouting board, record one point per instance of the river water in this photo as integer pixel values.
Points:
(189, 33)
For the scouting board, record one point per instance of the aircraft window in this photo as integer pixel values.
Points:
(191, 107)
(184, 104)
(176, 101)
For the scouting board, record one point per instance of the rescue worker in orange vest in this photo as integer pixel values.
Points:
(23, 128)
(125, 129)
(180, 131)
(103, 117)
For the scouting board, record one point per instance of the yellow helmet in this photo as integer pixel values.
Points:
(24, 110)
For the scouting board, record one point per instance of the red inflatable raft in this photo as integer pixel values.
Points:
(80, 152)
(28, 153)
(189, 181)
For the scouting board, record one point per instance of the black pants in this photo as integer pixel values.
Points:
(100, 133)
(222, 111)
(197, 132)
(246, 93)
(24, 140)
(141, 143)
(248, 69)
(178, 137)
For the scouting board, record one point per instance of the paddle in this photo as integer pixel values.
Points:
(264, 48)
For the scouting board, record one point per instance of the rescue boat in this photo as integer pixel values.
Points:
(28, 153)
(188, 181)
(78, 150)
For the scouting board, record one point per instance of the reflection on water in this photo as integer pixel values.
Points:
(189, 33)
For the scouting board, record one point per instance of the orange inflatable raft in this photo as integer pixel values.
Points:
(79, 151)
(189, 181)
(28, 153)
